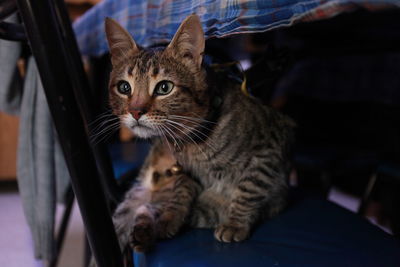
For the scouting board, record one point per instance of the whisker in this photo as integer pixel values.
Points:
(194, 142)
(95, 138)
(171, 133)
(192, 118)
(158, 127)
(102, 124)
(196, 123)
(194, 129)
(101, 116)
(106, 136)
(101, 130)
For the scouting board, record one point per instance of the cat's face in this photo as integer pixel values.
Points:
(159, 92)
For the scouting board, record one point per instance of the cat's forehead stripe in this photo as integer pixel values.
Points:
(155, 71)
(130, 69)
(143, 62)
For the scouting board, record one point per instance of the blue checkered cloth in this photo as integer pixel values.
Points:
(155, 21)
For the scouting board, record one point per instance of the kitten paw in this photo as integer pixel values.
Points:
(142, 237)
(168, 225)
(228, 233)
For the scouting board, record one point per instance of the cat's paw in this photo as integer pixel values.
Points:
(229, 232)
(142, 237)
(168, 225)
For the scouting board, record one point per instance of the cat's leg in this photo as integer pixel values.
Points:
(134, 221)
(174, 210)
(254, 197)
(134, 218)
(209, 209)
(143, 233)
(158, 207)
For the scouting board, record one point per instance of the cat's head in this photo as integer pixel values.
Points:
(159, 92)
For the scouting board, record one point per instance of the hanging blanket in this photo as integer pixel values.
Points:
(156, 21)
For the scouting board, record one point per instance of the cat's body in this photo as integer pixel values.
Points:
(219, 158)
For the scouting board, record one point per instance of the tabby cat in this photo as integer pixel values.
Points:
(219, 158)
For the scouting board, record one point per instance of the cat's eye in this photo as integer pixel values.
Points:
(163, 88)
(124, 88)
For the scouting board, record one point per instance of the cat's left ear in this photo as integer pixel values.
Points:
(189, 41)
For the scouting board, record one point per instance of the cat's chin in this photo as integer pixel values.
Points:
(143, 131)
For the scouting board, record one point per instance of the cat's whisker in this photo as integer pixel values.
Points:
(96, 138)
(171, 133)
(191, 139)
(101, 116)
(197, 116)
(208, 141)
(100, 128)
(159, 129)
(177, 137)
(107, 135)
(100, 119)
(196, 123)
(165, 132)
(112, 131)
(192, 118)
(193, 131)
(102, 124)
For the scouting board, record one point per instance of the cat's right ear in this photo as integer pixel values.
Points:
(120, 42)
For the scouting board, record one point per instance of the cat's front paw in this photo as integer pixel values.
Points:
(142, 237)
(230, 232)
(168, 225)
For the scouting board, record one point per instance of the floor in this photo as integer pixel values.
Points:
(16, 246)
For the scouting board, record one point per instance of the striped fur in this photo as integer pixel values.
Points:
(232, 149)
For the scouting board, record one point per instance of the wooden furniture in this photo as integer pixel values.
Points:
(8, 146)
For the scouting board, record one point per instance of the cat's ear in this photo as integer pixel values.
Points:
(120, 42)
(189, 41)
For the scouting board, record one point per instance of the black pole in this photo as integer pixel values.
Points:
(86, 98)
(63, 226)
(45, 39)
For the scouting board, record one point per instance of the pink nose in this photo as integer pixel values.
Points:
(137, 113)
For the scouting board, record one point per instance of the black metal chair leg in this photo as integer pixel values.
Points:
(367, 194)
(63, 227)
(66, 101)
(87, 254)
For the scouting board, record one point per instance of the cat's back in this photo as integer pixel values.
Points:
(255, 119)
(245, 129)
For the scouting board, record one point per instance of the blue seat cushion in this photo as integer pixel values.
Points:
(311, 232)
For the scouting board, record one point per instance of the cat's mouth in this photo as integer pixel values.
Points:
(143, 131)
(139, 127)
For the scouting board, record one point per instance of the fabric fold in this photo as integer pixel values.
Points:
(41, 168)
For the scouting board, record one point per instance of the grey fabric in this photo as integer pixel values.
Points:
(10, 95)
(41, 168)
(42, 174)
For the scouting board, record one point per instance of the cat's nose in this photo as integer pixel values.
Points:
(137, 113)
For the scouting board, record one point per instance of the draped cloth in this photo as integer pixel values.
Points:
(41, 168)
(156, 21)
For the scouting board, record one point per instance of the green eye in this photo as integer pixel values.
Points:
(124, 87)
(163, 88)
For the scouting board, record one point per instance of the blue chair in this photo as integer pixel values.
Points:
(311, 232)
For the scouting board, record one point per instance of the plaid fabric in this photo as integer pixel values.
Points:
(155, 21)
